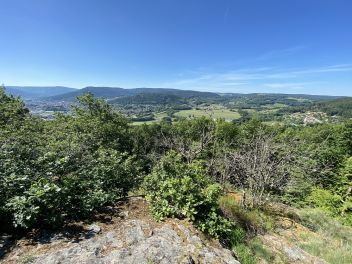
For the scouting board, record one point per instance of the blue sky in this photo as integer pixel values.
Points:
(280, 46)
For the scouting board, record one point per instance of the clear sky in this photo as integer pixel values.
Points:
(281, 46)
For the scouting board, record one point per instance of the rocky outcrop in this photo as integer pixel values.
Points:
(127, 241)
(293, 254)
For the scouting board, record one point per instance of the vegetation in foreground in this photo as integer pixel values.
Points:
(222, 176)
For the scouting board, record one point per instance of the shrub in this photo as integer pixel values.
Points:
(244, 254)
(326, 200)
(184, 190)
(62, 169)
(108, 176)
(252, 220)
(39, 203)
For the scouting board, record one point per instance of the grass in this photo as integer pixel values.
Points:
(212, 112)
(137, 123)
(244, 254)
(27, 259)
(334, 240)
(253, 221)
(323, 236)
(248, 223)
(299, 99)
(158, 118)
(273, 106)
(259, 251)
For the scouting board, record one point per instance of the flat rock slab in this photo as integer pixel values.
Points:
(293, 253)
(134, 241)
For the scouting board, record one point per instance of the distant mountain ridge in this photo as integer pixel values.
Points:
(149, 98)
(36, 92)
(140, 95)
(111, 93)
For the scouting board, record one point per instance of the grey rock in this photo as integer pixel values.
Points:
(94, 228)
(133, 232)
(292, 252)
(295, 253)
(136, 242)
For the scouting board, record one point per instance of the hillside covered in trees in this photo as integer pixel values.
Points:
(229, 179)
(153, 105)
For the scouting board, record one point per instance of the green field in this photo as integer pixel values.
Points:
(276, 105)
(299, 99)
(213, 113)
(158, 118)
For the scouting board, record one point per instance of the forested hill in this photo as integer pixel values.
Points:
(35, 92)
(110, 92)
(341, 107)
(149, 98)
(60, 93)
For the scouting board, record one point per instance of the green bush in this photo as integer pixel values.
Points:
(184, 190)
(244, 254)
(108, 176)
(326, 200)
(40, 203)
(51, 171)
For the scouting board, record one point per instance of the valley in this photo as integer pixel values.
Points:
(155, 105)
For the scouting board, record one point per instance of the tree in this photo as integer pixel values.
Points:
(259, 169)
(51, 171)
(11, 109)
(190, 138)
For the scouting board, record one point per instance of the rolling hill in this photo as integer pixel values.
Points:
(111, 93)
(37, 92)
(340, 107)
(149, 99)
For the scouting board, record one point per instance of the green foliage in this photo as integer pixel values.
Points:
(150, 98)
(325, 199)
(215, 225)
(177, 189)
(40, 203)
(256, 245)
(341, 107)
(334, 240)
(336, 201)
(254, 221)
(244, 254)
(52, 171)
(226, 132)
(12, 109)
(321, 174)
(62, 169)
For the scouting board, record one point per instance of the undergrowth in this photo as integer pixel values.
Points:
(334, 240)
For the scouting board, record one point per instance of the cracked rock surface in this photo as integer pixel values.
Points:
(128, 241)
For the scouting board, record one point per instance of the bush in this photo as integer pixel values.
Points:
(244, 254)
(62, 169)
(252, 220)
(48, 201)
(325, 200)
(39, 203)
(108, 176)
(184, 190)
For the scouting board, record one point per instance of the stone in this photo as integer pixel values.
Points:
(93, 230)
(136, 242)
